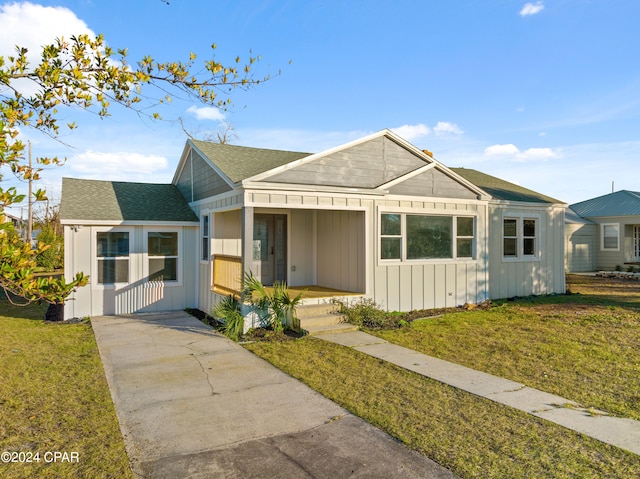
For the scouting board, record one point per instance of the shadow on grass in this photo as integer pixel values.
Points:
(20, 309)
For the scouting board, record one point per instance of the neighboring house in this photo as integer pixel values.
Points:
(604, 232)
(377, 217)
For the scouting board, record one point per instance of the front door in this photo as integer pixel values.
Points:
(636, 243)
(269, 248)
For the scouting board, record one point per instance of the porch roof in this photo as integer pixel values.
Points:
(96, 200)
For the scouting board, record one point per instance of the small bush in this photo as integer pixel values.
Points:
(228, 311)
(368, 314)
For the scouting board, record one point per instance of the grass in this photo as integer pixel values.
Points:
(585, 347)
(54, 397)
(471, 436)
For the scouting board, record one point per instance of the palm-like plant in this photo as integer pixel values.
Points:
(229, 311)
(278, 308)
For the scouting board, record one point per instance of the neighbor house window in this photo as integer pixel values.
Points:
(610, 236)
(519, 237)
(113, 257)
(162, 252)
(205, 238)
(423, 237)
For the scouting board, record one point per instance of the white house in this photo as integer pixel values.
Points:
(376, 217)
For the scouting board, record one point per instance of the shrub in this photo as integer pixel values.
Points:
(228, 311)
(277, 308)
(52, 258)
(365, 313)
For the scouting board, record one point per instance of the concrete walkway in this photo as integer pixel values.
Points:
(192, 404)
(620, 432)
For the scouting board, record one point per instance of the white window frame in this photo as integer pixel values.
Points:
(146, 258)
(520, 218)
(205, 235)
(603, 227)
(403, 237)
(96, 259)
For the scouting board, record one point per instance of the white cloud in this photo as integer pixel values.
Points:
(531, 154)
(412, 132)
(531, 9)
(501, 150)
(33, 26)
(206, 113)
(117, 166)
(445, 128)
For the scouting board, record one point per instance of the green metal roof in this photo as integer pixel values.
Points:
(241, 162)
(619, 203)
(503, 190)
(94, 200)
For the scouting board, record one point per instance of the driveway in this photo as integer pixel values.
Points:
(192, 403)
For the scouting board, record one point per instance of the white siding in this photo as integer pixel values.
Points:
(580, 247)
(138, 295)
(431, 283)
(523, 277)
(340, 250)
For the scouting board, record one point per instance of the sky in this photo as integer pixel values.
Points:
(545, 94)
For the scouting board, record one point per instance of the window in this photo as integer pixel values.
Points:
(519, 237)
(113, 257)
(610, 236)
(162, 251)
(429, 237)
(464, 237)
(405, 237)
(205, 238)
(390, 237)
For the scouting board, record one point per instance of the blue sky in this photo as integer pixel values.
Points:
(545, 94)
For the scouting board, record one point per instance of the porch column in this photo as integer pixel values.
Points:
(247, 238)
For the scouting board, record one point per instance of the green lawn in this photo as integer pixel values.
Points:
(585, 347)
(54, 398)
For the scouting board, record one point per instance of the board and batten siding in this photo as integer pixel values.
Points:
(580, 247)
(198, 180)
(139, 294)
(427, 284)
(544, 274)
(341, 250)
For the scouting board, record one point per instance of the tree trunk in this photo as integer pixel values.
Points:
(55, 312)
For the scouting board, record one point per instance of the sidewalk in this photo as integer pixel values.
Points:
(193, 404)
(620, 432)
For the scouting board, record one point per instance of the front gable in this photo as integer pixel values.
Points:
(364, 165)
(433, 183)
(382, 162)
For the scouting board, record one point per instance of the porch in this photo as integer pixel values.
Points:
(227, 280)
(317, 252)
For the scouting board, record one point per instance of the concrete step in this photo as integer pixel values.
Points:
(330, 329)
(321, 320)
(312, 310)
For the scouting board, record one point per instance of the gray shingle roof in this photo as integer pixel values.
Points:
(619, 203)
(241, 162)
(503, 190)
(94, 200)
